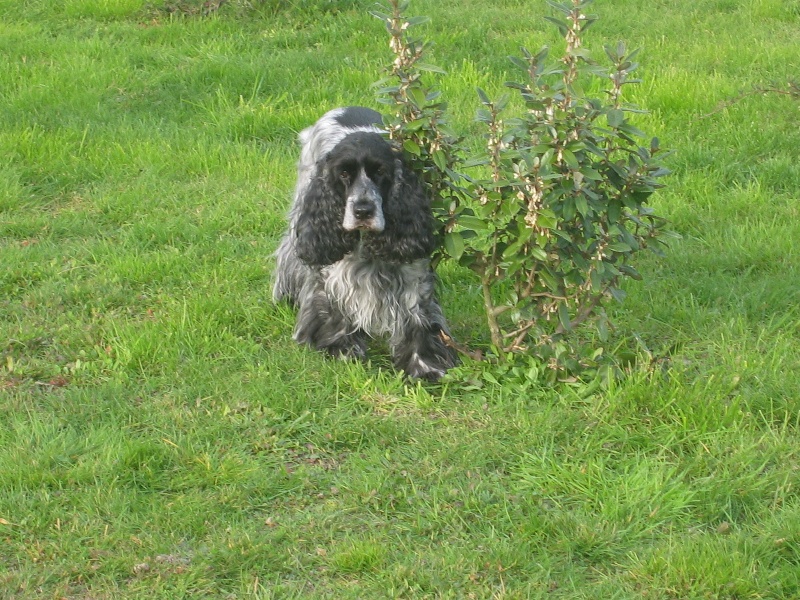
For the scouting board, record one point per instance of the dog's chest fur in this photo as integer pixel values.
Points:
(379, 297)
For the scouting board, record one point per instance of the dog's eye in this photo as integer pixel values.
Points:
(378, 171)
(344, 176)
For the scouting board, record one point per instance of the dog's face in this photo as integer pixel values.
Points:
(361, 170)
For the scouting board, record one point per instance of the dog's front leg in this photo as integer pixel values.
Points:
(322, 325)
(419, 350)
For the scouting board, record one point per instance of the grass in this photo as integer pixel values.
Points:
(162, 437)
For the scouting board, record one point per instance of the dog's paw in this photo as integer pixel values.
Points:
(425, 369)
(348, 350)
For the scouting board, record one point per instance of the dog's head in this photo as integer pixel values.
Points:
(361, 171)
(363, 196)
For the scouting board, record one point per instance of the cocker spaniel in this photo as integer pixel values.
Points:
(355, 260)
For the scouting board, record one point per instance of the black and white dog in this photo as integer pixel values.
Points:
(355, 260)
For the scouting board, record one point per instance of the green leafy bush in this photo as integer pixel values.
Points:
(552, 213)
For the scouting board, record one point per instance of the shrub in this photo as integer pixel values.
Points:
(552, 213)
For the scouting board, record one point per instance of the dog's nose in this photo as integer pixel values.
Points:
(363, 212)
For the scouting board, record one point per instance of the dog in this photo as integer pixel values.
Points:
(355, 260)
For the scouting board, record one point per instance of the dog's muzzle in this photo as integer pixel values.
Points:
(364, 208)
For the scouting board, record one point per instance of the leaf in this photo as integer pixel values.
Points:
(518, 86)
(483, 116)
(430, 68)
(412, 21)
(570, 159)
(547, 219)
(616, 117)
(512, 251)
(614, 210)
(388, 90)
(538, 253)
(415, 125)
(661, 172)
(562, 27)
(582, 205)
(619, 247)
(502, 102)
(412, 147)
(475, 162)
(549, 280)
(563, 316)
(631, 130)
(454, 244)
(484, 98)
(519, 63)
(630, 272)
(562, 8)
(617, 294)
(417, 96)
(440, 159)
(655, 145)
(379, 15)
(472, 222)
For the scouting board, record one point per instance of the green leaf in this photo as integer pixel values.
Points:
(591, 174)
(562, 8)
(547, 219)
(619, 247)
(412, 21)
(513, 249)
(568, 209)
(440, 159)
(519, 63)
(538, 253)
(412, 147)
(417, 96)
(414, 125)
(563, 316)
(430, 68)
(483, 116)
(614, 210)
(617, 294)
(570, 159)
(631, 130)
(502, 102)
(388, 90)
(582, 205)
(630, 272)
(476, 162)
(473, 223)
(454, 244)
(616, 117)
(562, 26)
(379, 15)
(549, 280)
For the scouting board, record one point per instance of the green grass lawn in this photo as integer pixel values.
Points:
(161, 436)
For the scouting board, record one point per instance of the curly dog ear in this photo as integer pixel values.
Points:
(318, 234)
(409, 233)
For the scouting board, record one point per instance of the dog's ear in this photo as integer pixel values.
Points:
(409, 232)
(319, 237)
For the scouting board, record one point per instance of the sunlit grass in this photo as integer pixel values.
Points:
(161, 436)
